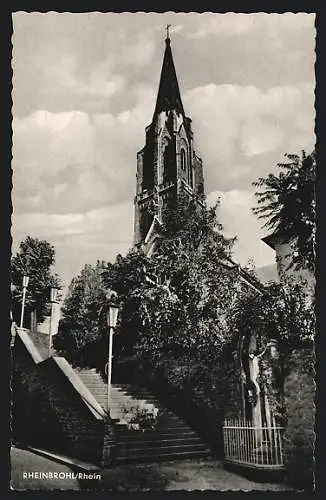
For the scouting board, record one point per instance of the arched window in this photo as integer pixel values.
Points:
(167, 150)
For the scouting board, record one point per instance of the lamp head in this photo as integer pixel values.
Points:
(112, 309)
(54, 294)
(25, 281)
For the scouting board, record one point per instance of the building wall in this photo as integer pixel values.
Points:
(284, 253)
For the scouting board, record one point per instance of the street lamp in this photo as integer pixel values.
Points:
(53, 300)
(112, 311)
(25, 285)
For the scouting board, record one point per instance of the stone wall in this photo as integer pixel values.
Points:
(299, 437)
(49, 413)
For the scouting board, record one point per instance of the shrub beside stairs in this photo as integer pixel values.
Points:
(144, 429)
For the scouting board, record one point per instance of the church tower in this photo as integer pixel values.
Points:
(167, 165)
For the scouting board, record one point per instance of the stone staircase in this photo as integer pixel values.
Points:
(95, 384)
(145, 430)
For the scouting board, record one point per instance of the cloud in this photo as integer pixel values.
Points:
(79, 238)
(237, 24)
(72, 162)
(101, 80)
(236, 125)
(176, 28)
(75, 64)
(48, 141)
(235, 214)
(258, 137)
(138, 51)
(229, 24)
(70, 224)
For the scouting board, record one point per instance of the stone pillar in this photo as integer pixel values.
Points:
(109, 445)
(299, 436)
(33, 321)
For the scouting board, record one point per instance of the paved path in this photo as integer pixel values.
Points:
(24, 461)
(186, 475)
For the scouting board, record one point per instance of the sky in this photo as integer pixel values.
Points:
(84, 89)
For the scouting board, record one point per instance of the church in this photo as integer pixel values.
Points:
(167, 167)
(89, 425)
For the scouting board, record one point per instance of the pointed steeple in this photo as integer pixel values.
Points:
(167, 165)
(168, 97)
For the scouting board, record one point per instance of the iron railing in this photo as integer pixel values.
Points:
(253, 446)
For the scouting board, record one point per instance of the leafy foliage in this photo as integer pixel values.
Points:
(283, 313)
(35, 258)
(79, 325)
(287, 203)
(173, 303)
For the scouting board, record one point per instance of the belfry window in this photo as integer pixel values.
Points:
(183, 160)
(168, 160)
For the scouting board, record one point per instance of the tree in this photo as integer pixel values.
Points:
(35, 258)
(79, 325)
(173, 303)
(287, 203)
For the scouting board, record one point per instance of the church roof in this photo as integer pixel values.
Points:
(274, 238)
(168, 97)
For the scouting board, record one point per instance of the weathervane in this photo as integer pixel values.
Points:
(167, 30)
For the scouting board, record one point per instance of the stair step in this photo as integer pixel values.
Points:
(93, 382)
(153, 435)
(137, 403)
(160, 443)
(160, 457)
(137, 395)
(167, 427)
(97, 385)
(170, 439)
(99, 393)
(159, 450)
(123, 432)
(92, 378)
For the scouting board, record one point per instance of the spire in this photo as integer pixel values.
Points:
(168, 96)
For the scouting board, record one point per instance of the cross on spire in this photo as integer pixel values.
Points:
(167, 31)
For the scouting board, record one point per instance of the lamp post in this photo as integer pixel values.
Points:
(53, 300)
(25, 285)
(111, 318)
